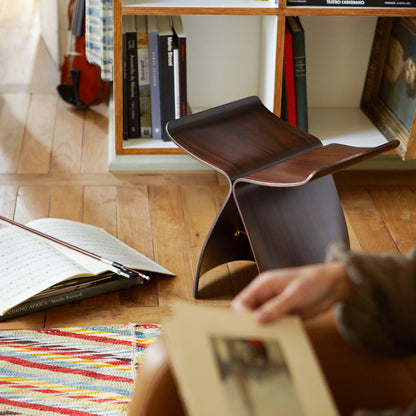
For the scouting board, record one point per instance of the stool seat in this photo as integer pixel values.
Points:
(282, 209)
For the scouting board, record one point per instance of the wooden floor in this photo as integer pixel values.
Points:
(53, 162)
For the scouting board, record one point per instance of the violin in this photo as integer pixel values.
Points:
(81, 83)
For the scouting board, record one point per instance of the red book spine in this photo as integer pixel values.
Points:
(289, 78)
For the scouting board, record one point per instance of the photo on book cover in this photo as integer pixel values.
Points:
(255, 377)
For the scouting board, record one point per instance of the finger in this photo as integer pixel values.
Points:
(276, 307)
(259, 291)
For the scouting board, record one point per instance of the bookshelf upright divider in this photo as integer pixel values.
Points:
(216, 56)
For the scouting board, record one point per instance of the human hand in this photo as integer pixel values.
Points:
(305, 291)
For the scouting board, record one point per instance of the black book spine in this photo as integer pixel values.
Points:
(133, 112)
(125, 90)
(167, 94)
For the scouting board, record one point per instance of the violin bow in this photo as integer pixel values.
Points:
(120, 269)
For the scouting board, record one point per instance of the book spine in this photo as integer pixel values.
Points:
(283, 111)
(144, 84)
(154, 84)
(180, 67)
(132, 86)
(125, 90)
(183, 91)
(289, 78)
(166, 81)
(176, 82)
(61, 299)
(299, 64)
(352, 3)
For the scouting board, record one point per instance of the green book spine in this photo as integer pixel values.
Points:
(61, 299)
(299, 63)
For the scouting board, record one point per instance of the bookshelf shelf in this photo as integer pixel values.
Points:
(199, 7)
(243, 56)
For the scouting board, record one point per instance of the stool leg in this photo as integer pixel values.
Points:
(291, 226)
(226, 242)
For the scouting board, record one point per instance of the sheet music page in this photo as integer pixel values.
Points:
(97, 241)
(28, 267)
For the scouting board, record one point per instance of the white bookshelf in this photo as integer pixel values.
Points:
(235, 50)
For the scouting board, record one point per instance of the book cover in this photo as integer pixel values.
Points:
(143, 77)
(153, 37)
(166, 72)
(180, 54)
(289, 78)
(352, 3)
(133, 118)
(249, 369)
(299, 64)
(49, 268)
(50, 301)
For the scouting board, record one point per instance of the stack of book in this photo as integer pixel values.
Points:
(154, 75)
(294, 101)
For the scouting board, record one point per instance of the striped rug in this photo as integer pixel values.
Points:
(79, 371)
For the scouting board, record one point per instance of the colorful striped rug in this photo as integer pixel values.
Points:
(80, 371)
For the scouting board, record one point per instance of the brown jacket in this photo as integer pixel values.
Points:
(381, 314)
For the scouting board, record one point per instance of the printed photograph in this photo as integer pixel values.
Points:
(389, 94)
(255, 377)
(398, 85)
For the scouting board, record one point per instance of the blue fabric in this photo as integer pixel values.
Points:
(99, 35)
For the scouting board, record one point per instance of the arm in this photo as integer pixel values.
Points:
(381, 315)
(374, 297)
(305, 291)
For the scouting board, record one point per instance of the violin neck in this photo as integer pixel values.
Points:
(78, 20)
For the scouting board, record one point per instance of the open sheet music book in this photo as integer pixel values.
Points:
(36, 273)
(226, 364)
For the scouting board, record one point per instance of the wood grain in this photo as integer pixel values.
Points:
(53, 163)
(68, 139)
(166, 215)
(37, 140)
(366, 221)
(13, 113)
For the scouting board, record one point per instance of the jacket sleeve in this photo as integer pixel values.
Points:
(381, 313)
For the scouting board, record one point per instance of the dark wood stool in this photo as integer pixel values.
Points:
(282, 209)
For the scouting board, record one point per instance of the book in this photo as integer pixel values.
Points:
(299, 67)
(180, 64)
(125, 89)
(289, 77)
(249, 369)
(176, 81)
(166, 74)
(153, 37)
(70, 293)
(283, 110)
(130, 46)
(143, 77)
(352, 3)
(37, 273)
